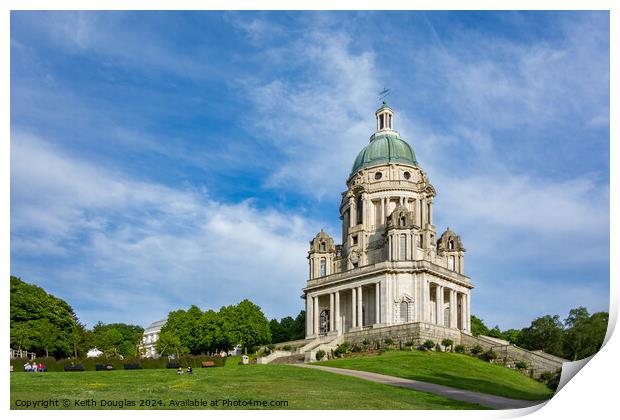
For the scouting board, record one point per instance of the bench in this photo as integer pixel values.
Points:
(104, 367)
(130, 366)
(74, 368)
(173, 365)
(208, 363)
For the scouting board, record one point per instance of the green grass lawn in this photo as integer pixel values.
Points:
(451, 369)
(301, 388)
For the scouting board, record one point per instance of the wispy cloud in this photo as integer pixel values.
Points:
(131, 239)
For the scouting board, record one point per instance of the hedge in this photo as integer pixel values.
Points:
(53, 365)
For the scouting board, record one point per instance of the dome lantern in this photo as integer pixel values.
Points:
(384, 117)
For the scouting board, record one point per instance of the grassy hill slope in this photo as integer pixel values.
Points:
(450, 369)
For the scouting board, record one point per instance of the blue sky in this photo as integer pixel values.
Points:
(162, 159)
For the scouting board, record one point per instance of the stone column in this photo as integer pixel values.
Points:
(463, 312)
(440, 303)
(453, 323)
(437, 291)
(337, 312)
(377, 303)
(315, 313)
(360, 315)
(331, 312)
(352, 212)
(468, 323)
(353, 308)
(309, 316)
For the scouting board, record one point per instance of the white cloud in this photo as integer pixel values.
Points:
(146, 248)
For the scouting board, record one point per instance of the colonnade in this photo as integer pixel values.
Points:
(458, 316)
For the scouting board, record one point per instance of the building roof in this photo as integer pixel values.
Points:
(384, 148)
(155, 326)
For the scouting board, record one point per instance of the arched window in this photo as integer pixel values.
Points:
(404, 312)
(451, 262)
(451, 244)
(401, 221)
(322, 247)
(402, 248)
(323, 267)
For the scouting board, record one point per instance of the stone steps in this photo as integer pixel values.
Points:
(288, 360)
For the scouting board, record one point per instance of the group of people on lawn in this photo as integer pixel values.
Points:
(34, 367)
(181, 372)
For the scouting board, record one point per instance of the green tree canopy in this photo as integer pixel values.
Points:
(478, 327)
(39, 321)
(545, 333)
(117, 339)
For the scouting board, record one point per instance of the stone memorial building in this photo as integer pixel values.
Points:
(391, 268)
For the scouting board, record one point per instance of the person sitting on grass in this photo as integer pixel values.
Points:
(34, 366)
(189, 370)
(180, 371)
(27, 367)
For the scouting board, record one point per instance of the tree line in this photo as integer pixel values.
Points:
(47, 325)
(196, 332)
(578, 336)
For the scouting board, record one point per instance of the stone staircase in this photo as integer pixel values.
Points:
(326, 344)
(293, 359)
(509, 354)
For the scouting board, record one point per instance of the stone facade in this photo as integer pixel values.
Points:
(390, 268)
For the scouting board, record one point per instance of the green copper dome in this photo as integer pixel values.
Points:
(384, 148)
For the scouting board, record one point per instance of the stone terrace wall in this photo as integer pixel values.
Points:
(418, 332)
(509, 354)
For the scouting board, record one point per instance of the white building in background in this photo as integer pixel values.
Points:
(391, 268)
(150, 336)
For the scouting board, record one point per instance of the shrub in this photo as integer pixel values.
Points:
(429, 344)
(521, 365)
(422, 348)
(343, 348)
(356, 348)
(320, 354)
(551, 379)
(286, 348)
(366, 344)
(409, 343)
(388, 342)
(459, 348)
(477, 349)
(271, 347)
(446, 342)
(488, 355)
(438, 348)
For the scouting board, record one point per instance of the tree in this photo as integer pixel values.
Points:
(545, 333)
(478, 327)
(169, 343)
(244, 324)
(48, 335)
(186, 325)
(211, 335)
(584, 334)
(36, 317)
(511, 335)
(117, 339)
(278, 334)
(495, 332)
